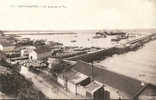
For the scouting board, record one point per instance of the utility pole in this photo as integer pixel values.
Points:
(92, 73)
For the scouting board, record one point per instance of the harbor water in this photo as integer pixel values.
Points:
(80, 40)
(140, 64)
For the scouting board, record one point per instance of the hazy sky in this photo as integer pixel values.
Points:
(79, 14)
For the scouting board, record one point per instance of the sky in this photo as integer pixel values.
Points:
(77, 14)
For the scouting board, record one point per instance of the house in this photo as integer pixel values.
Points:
(40, 53)
(7, 46)
(95, 90)
(71, 80)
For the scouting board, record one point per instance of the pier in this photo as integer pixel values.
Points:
(118, 49)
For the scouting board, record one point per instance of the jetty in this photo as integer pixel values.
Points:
(117, 49)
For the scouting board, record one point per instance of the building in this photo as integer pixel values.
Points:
(40, 53)
(95, 90)
(71, 80)
(25, 50)
(7, 46)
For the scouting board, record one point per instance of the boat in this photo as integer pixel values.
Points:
(99, 35)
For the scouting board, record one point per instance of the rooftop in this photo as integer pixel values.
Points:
(93, 86)
(78, 77)
(74, 76)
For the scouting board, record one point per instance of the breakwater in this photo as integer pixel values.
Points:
(118, 49)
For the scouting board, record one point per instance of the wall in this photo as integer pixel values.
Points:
(72, 87)
(94, 56)
(81, 90)
(61, 81)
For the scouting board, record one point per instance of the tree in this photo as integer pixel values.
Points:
(14, 84)
(30, 94)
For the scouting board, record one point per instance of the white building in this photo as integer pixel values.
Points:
(25, 50)
(40, 53)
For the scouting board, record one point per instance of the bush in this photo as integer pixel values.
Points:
(12, 82)
(30, 94)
